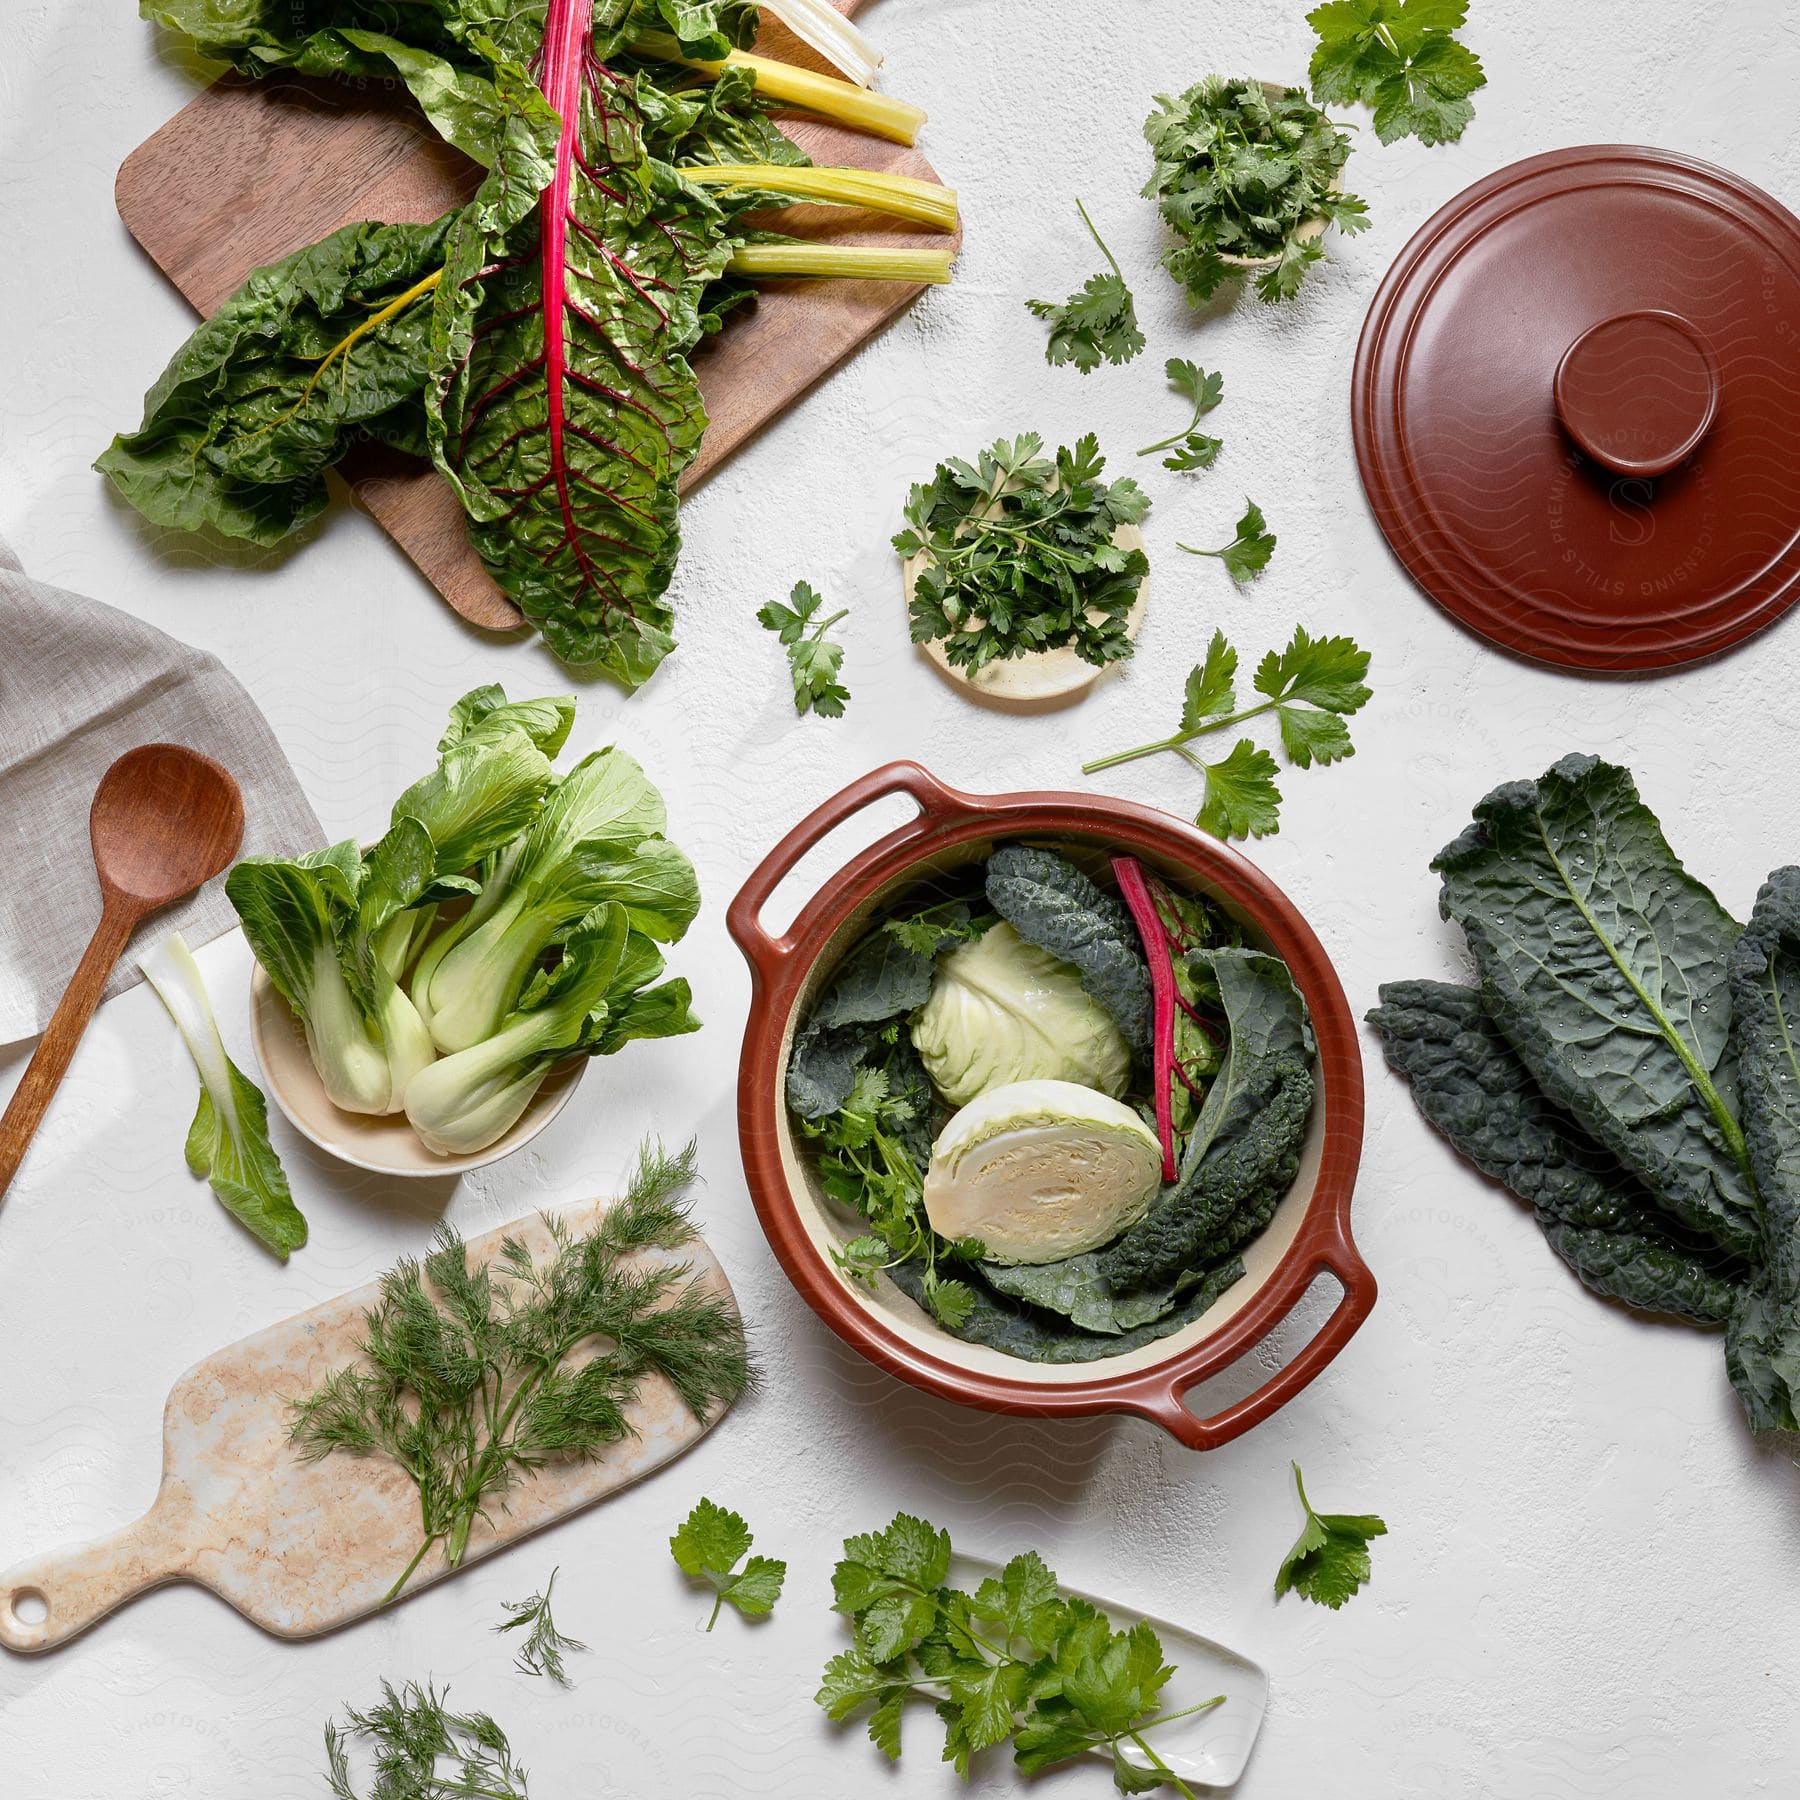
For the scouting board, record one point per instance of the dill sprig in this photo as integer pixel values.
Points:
(412, 1735)
(475, 1377)
(542, 1651)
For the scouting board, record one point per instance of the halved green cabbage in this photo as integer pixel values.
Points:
(1002, 1010)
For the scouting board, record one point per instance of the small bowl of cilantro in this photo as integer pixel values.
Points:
(1246, 178)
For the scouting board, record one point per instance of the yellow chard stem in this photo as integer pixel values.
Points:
(878, 114)
(929, 268)
(900, 196)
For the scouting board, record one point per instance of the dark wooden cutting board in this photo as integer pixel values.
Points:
(249, 171)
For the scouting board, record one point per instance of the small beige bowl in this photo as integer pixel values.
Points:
(1037, 682)
(386, 1145)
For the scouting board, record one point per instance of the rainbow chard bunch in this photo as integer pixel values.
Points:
(533, 343)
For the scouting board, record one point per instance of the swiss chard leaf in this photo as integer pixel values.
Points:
(239, 429)
(1034, 1333)
(566, 410)
(1605, 964)
(1079, 1288)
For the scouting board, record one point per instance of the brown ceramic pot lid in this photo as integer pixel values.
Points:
(1577, 408)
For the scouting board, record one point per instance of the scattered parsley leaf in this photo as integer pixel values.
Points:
(1242, 799)
(1016, 1659)
(1197, 450)
(415, 1739)
(1397, 57)
(813, 661)
(709, 1545)
(1248, 553)
(1097, 325)
(1246, 180)
(542, 1651)
(1018, 555)
(1310, 687)
(1330, 1559)
(1211, 690)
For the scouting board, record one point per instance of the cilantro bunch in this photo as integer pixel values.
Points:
(1016, 1659)
(1019, 555)
(1311, 687)
(1244, 174)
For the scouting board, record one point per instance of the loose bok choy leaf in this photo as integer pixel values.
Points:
(228, 1143)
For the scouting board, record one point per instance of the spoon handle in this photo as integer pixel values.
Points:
(44, 1073)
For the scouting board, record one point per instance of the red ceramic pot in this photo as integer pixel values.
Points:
(1308, 1236)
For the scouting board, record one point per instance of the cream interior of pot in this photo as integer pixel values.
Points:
(830, 1225)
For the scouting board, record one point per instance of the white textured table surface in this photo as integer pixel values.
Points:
(1590, 1585)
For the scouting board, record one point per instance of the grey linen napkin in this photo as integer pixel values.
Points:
(80, 684)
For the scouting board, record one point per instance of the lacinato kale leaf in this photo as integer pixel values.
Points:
(1762, 1345)
(1243, 1153)
(1605, 964)
(1052, 904)
(1628, 1064)
(1469, 1082)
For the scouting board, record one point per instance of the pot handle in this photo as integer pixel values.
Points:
(936, 803)
(1163, 1400)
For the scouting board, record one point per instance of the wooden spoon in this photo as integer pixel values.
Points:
(164, 820)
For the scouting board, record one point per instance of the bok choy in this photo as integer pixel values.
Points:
(565, 885)
(228, 1143)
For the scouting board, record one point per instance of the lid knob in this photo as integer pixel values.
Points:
(1638, 391)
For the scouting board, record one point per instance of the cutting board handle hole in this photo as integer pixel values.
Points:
(29, 1606)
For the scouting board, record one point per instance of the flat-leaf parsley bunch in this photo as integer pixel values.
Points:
(1016, 1659)
(1019, 555)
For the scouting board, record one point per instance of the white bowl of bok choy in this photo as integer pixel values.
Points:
(427, 1003)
